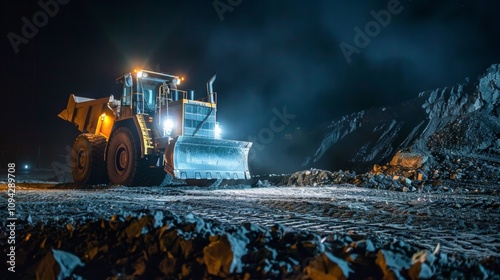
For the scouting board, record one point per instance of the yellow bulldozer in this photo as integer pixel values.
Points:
(153, 128)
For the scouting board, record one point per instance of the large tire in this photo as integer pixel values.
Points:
(122, 157)
(87, 160)
(125, 165)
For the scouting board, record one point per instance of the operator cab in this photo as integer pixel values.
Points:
(173, 111)
(144, 91)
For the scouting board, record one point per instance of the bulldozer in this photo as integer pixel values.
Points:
(153, 129)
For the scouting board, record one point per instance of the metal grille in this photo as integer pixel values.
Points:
(194, 115)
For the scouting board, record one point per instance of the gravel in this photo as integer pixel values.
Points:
(161, 245)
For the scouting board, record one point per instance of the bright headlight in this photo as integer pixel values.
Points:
(218, 131)
(168, 124)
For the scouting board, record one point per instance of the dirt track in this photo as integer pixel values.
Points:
(467, 225)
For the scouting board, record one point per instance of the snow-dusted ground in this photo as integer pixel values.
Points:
(462, 224)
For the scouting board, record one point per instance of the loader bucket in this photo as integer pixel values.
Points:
(205, 158)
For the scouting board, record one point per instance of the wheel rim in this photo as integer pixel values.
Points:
(81, 160)
(121, 159)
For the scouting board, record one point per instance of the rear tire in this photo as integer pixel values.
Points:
(87, 160)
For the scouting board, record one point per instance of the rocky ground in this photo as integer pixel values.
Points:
(312, 224)
(420, 201)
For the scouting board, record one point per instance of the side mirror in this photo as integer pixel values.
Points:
(128, 80)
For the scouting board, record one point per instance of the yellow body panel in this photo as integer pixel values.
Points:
(90, 115)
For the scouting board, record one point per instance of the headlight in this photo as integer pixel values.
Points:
(176, 81)
(218, 131)
(168, 124)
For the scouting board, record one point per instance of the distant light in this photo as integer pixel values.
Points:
(26, 166)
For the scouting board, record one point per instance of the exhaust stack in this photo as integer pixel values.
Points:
(210, 90)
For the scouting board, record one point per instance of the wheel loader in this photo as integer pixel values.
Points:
(152, 128)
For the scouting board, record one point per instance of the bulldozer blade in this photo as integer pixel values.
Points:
(205, 158)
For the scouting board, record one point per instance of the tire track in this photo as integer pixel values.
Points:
(460, 223)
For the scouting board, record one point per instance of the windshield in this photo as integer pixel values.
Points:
(149, 88)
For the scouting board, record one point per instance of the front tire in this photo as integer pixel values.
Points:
(87, 160)
(122, 157)
(125, 165)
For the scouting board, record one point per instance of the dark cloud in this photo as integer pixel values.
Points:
(267, 55)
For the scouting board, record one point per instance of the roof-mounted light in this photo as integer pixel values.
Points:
(141, 74)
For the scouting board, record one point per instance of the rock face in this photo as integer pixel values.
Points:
(459, 121)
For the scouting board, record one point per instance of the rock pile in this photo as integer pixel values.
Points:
(442, 126)
(318, 177)
(164, 246)
(396, 178)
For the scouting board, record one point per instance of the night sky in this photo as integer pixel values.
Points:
(267, 55)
